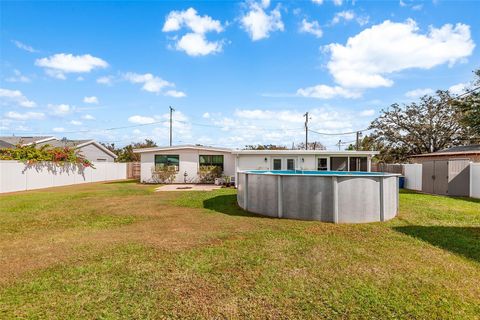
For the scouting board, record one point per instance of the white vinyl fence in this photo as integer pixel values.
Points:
(413, 176)
(475, 180)
(19, 176)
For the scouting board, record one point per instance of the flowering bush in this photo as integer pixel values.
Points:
(31, 154)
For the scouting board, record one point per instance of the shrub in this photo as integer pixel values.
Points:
(209, 173)
(165, 174)
(31, 154)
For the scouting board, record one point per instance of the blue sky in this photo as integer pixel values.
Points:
(237, 73)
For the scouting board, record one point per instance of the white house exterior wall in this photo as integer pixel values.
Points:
(189, 163)
(94, 153)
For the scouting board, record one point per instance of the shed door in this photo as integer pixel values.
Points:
(427, 176)
(459, 177)
(440, 183)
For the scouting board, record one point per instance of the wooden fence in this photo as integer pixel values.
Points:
(384, 167)
(133, 170)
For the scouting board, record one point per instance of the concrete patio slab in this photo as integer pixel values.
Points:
(187, 187)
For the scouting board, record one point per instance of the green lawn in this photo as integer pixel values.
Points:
(119, 250)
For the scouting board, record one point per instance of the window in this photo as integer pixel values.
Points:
(211, 160)
(290, 164)
(322, 164)
(170, 160)
(277, 164)
(338, 163)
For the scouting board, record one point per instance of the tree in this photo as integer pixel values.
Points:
(469, 107)
(430, 125)
(314, 145)
(264, 147)
(126, 154)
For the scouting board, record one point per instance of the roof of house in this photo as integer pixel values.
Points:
(79, 144)
(4, 144)
(53, 142)
(26, 140)
(182, 147)
(265, 152)
(300, 152)
(458, 150)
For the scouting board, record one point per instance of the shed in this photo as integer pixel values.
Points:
(447, 172)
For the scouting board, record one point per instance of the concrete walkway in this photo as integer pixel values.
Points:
(188, 187)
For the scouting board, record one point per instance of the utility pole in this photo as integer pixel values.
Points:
(357, 145)
(306, 130)
(171, 113)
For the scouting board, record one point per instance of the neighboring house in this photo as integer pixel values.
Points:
(188, 158)
(447, 172)
(90, 149)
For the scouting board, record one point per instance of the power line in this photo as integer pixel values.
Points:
(337, 134)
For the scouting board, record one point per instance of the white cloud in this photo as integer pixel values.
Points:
(206, 115)
(175, 94)
(60, 109)
(311, 27)
(18, 77)
(417, 93)
(57, 65)
(88, 117)
(105, 80)
(338, 2)
(343, 15)
(24, 116)
(150, 82)
(8, 96)
(76, 122)
(417, 7)
(141, 119)
(24, 46)
(317, 1)
(194, 43)
(58, 129)
(153, 84)
(367, 113)
(327, 92)
(458, 88)
(91, 99)
(367, 58)
(190, 19)
(259, 24)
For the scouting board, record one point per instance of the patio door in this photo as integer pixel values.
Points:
(290, 164)
(277, 164)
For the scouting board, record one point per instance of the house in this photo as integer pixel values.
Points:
(90, 149)
(188, 159)
(447, 172)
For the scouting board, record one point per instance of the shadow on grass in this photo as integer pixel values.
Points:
(459, 240)
(227, 204)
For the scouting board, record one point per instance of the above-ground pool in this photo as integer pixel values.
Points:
(330, 196)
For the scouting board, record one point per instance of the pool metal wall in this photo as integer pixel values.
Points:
(329, 198)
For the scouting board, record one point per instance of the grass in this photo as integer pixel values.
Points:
(121, 250)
